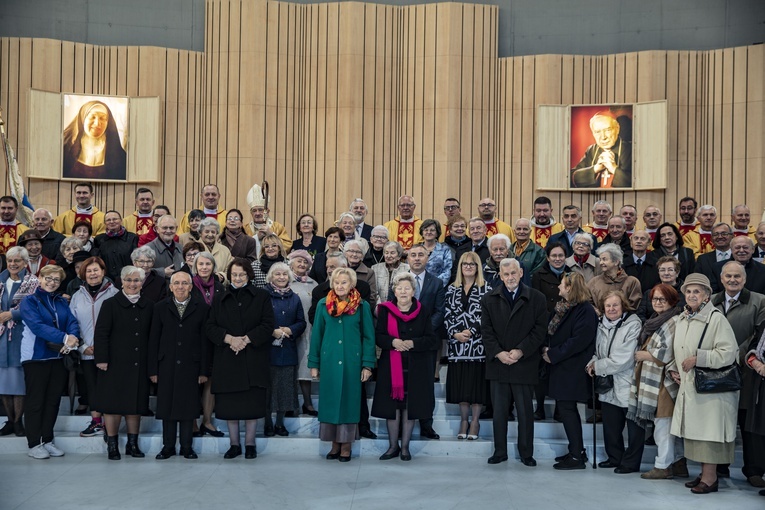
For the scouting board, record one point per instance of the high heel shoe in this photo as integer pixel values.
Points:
(333, 455)
(214, 433)
(473, 437)
(309, 412)
(463, 425)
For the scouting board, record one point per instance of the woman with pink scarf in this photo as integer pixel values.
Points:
(404, 390)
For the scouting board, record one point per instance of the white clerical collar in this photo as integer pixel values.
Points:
(8, 223)
(87, 210)
(209, 212)
(704, 232)
(744, 231)
(143, 215)
(410, 220)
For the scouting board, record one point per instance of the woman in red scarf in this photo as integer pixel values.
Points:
(404, 390)
(343, 351)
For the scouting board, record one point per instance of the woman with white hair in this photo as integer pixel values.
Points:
(302, 285)
(377, 241)
(354, 254)
(209, 233)
(347, 224)
(271, 252)
(583, 261)
(613, 277)
(16, 283)
(121, 349)
(154, 287)
(290, 324)
(387, 270)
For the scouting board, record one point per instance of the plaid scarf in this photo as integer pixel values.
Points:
(561, 309)
(644, 395)
(337, 307)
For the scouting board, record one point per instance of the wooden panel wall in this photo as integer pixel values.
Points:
(333, 101)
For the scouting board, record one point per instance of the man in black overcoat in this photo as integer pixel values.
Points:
(179, 356)
(513, 325)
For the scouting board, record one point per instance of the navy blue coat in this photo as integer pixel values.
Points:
(571, 348)
(288, 311)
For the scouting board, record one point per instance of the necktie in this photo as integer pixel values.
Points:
(639, 263)
(358, 231)
(418, 287)
(731, 302)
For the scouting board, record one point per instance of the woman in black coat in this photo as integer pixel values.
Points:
(669, 242)
(240, 326)
(407, 358)
(121, 348)
(571, 344)
(178, 352)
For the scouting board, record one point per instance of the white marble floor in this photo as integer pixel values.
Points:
(295, 482)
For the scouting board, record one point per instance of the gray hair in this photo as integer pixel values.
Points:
(128, 270)
(68, 242)
(406, 276)
(614, 252)
(500, 237)
(341, 260)
(603, 202)
(345, 215)
(381, 228)
(738, 265)
(18, 251)
(399, 248)
(47, 212)
(279, 266)
(706, 207)
(143, 251)
(164, 218)
(509, 262)
(751, 241)
(177, 273)
(584, 237)
(619, 218)
(205, 255)
(723, 224)
(357, 200)
(208, 223)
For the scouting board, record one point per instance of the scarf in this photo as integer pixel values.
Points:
(396, 365)
(231, 237)
(650, 376)
(278, 291)
(759, 351)
(337, 307)
(580, 260)
(556, 272)
(28, 287)
(561, 309)
(266, 263)
(655, 322)
(116, 233)
(521, 247)
(207, 289)
(302, 279)
(609, 324)
(133, 299)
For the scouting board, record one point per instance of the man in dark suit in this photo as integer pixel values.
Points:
(608, 162)
(358, 209)
(572, 219)
(742, 250)
(51, 240)
(430, 292)
(710, 264)
(641, 263)
(321, 291)
(513, 326)
(617, 234)
(478, 243)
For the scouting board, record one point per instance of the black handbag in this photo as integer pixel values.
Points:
(717, 380)
(605, 383)
(72, 359)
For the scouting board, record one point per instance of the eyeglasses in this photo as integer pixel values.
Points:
(451, 207)
(658, 300)
(192, 254)
(381, 238)
(233, 218)
(356, 252)
(469, 264)
(720, 234)
(406, 206)
(142, 262)
(581, 243)
(486, 205)
(50, 279)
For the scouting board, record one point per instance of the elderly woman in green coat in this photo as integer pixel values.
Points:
(343, 350)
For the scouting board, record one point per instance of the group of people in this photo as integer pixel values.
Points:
(217, 315)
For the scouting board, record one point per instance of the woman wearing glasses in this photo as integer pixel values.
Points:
(669, 269)
(583, 261)
(236, 239)
(51, 331)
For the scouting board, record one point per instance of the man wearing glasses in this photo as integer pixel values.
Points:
(405, 228)
(169, 251)
(487, 209)
(652, 218)
(452, 209)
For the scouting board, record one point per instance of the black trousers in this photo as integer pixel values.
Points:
(90, 376)
(168, 433)
(501, 396)
(45, 382)
(614, 419)
(572, 424)
(364, 410)
(753, 448)
(427, 423)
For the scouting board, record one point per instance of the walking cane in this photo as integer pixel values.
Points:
(594, 429)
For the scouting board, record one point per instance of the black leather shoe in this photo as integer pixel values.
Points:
(529, 461)
(214, 433)
(342, 458)
(762, 492)
(18, 429)
(309, 412)
(607, 464)
(570, 463)
(429, 434)
(621, 470)
(333, 456)
(392, 455)
(367, 433)
(280, 430)
(496, 459)
(233, 452)
(583, 455)
(250, 452)
(268, 431)
(7, 429)
(539, 416)
(165, 453)
(189, 453)
(405, 456)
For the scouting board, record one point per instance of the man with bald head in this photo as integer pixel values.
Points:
(608, 162)
(652, 218)
(487, 209)
(51, 240)
(742, 251)
(210, 205)
(405, 228)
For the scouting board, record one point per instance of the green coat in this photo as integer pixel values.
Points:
(340, 348)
